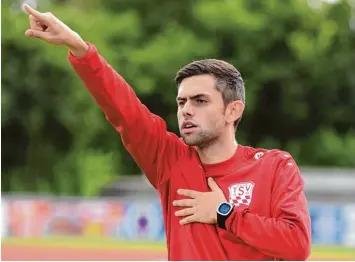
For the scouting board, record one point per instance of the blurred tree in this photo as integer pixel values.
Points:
(297, 63)
(46, 140)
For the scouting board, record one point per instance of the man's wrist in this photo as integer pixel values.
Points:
(78, 47)
(223, 212)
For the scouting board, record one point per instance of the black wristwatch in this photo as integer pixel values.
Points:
(224, 210)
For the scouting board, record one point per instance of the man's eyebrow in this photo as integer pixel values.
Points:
(191, 97)
(180, 98)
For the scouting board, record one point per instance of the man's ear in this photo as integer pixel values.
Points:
(234, 111)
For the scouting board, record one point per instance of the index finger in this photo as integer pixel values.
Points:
(188, 193)
(32, 11)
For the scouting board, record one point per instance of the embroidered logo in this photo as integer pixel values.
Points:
(241, 193)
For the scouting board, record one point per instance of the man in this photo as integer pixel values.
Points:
(220, 200)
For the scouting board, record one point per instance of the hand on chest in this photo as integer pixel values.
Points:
(199, 206)
(193, 196)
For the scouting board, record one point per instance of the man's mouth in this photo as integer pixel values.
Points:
(188, 127)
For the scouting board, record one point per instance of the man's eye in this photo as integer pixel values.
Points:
(201, 101)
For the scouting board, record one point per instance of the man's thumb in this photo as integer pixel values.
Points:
(36, 34)
(212, 184)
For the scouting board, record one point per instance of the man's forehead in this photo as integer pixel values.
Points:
(193, 90)
(192, 93)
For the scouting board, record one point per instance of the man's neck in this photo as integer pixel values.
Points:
(218, 151)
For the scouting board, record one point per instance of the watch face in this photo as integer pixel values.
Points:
(224, 208)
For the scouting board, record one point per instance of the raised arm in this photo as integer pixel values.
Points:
(144, 134)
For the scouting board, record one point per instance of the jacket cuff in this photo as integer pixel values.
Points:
(91, 51)
(90, 62)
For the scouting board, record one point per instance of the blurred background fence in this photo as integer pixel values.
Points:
(63, 164)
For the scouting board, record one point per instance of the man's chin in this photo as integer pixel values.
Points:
(190, 141)
(198, 140)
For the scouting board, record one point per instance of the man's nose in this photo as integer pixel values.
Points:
(187, 110)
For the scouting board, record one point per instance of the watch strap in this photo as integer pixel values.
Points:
(221, 219)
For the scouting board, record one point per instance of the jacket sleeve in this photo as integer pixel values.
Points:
(287, 234)
(144, 134)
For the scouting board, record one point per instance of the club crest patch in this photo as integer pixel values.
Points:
(241, 193)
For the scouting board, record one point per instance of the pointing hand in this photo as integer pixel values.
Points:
(47, 27)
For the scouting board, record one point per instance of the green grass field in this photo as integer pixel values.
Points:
(318, 252)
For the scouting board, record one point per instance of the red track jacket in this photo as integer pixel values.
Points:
(273, 223)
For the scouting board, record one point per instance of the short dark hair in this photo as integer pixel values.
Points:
(228, 79)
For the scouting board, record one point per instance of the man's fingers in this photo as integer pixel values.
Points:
(35, 24)
(188, 193)
(37, 34)
(184, 203)
(185, 212)
(33, 12)
(189, 219)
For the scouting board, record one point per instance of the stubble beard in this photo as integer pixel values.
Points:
(200, 139)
